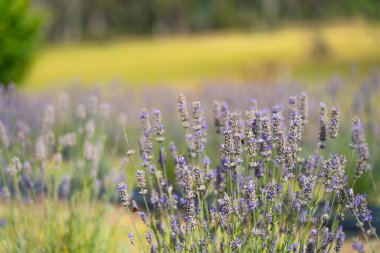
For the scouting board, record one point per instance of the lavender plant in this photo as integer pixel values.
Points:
(259, 170)
(264, 193)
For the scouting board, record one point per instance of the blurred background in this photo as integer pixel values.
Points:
(118, 56)
(48, 43)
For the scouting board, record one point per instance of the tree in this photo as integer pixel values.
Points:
(19, 32)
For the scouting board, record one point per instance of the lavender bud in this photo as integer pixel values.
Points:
(143, 217)
(292, 107)
(124, 195)
(183, 112)
(224, 116)
(339, 239)
(334, 123)
(173, 151)
(359, 207)
(131, 238)
(158, 126)
(227, 147)
(217, 113)
(251, 144)
(199, 126)
(149, 237)
(358, 245)
(277, 124)
(359, 143)
(227, 205)
(144, 119)
(357, 133)
(235, 244)
(304, 107)
(322, 125)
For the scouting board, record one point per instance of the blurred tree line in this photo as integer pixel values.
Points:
(81, 19)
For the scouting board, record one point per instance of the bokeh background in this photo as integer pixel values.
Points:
(121, 55)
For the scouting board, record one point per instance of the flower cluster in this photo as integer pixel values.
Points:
(261, 196)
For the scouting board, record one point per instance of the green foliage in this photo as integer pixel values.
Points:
(18, 36)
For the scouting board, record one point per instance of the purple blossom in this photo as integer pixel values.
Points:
(131, 238)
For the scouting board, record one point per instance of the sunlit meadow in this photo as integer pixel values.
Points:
(312, 52)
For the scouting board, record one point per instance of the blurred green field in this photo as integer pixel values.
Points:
(190, 59)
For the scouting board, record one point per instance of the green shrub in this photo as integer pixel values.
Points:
(19, 28)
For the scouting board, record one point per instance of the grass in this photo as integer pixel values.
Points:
(118, 223)
(190, 59)
(112, 232)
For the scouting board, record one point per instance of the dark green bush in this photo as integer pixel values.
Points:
(19, 28)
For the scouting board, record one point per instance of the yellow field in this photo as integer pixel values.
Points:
(193, 58)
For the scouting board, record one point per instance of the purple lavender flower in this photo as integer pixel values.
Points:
(266, 147)
(292, 107)
(173, 151)
(174, 226)
(146, 143)
(334, 173)
(293, 248)
(226, 205)
(227, 148)
(304, 107)
(322, 125)
(359, 207)
(339, 239)
(294, 137)
(199, 203)
(158, 126)
(141, 181)
(269, 216)
(358, 246)
(149, 237)
(179, 246)
(257, 126)
(199, 127)
(235, 244)
(183, 112)
(131, 238)
(258, 169)
(277, 121)
(217, 116)
(123, 192)
(143, 217)
(334, 122)
(224, 116)
(251, 195)
(251, 144)
(3, 222)
(359, 143)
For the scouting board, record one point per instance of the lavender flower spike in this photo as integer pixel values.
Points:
(124, 195)
(334, 123)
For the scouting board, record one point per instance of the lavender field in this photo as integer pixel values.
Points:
(205, 126)
(257, 167)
